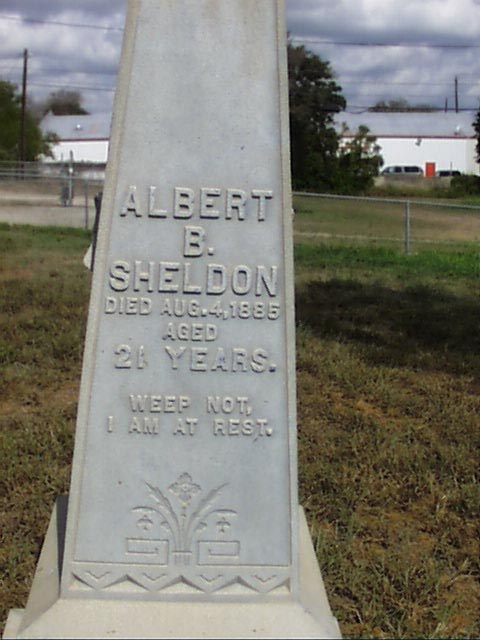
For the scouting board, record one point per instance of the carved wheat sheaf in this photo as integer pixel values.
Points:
(182, 517)
(184, 525)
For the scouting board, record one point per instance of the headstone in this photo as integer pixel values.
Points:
(183, 514)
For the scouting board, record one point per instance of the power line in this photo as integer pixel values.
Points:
(446, 83)
(372, 109)
(12, 59)
(9, 67)
(404, 94)
(91, 72)
(60, 24)
(428, 45)
(112, 90)
(341, 79)
(351, 108)
(7, 71)
(76, 87)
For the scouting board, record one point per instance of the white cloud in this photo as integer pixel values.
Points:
(366, 74)
(429, 72)
(62, 56)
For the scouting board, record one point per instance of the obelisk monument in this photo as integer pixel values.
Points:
(183, 516)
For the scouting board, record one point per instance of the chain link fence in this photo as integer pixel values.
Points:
(407, 224)
(66, 195)
(32, 193)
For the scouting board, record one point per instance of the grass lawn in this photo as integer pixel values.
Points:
(388, 376)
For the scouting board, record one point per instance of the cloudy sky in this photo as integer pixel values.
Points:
(76, 44)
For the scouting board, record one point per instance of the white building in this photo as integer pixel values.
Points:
(446, 140)
(84, 136)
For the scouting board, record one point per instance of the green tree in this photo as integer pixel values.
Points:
(10, 119)
(400, 105)
(64, 103)
(476, 126)
(320, 161)
(359, 161)
(315, 98)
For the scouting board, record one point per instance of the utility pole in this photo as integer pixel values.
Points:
(22, 145)
(456, 94)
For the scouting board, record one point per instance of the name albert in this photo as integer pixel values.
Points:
(206, 203)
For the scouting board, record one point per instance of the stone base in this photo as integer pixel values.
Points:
(47, 615)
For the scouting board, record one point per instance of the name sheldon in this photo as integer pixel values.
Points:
(188, 278)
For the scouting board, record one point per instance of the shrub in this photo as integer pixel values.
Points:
(465, 185)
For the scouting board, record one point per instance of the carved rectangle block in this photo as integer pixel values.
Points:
(184, 478)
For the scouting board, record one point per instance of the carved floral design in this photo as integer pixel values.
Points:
(185, 489)
(185, 520)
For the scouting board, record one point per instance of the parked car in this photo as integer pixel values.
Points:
(402, 170)
(447, 173)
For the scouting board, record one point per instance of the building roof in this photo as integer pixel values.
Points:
(435, 124)
(87, 127)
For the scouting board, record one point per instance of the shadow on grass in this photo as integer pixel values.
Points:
(418, 327)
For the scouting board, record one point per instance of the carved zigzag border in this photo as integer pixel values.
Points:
(264, 580)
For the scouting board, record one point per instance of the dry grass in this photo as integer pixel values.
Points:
(388, 396)
(43, 303)
(388, 381)
(386, 220)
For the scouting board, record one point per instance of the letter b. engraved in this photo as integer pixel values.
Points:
(194, 242)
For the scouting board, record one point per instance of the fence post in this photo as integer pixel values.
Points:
(86, 204)
(70, 188)
(407, 228)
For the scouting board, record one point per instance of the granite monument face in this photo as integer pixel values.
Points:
(184, 485)
(184, 458)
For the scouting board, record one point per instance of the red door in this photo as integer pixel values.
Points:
(430, 169)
